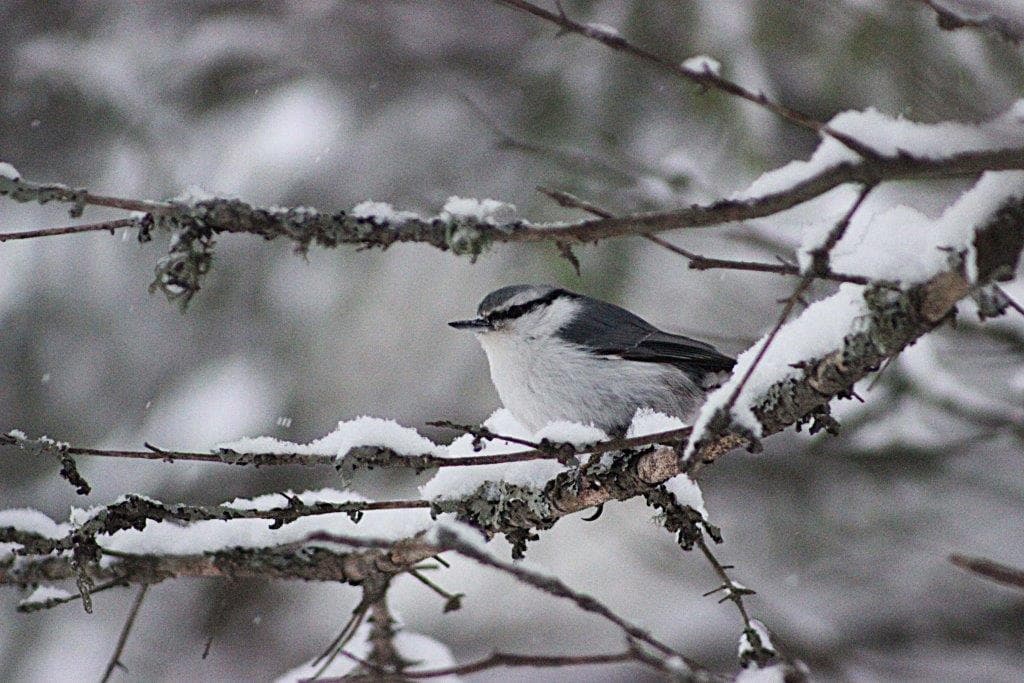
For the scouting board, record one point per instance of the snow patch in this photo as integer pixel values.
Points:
(820, 329)
(489, 211)
(601, 31)
(455, 482)
(701, 64)
(891, 136)
(687, 492)
(8, 171)
(776, 673)
(579, 435)
(382, 212)
(425, 653)
(362, 431)
(647, 421)
(746, 647)
(44, 594)
(33, 521)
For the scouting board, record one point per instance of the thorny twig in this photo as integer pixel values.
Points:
(115, 659)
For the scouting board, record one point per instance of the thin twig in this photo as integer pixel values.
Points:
(508, 659)
(342, 639)
(55, 602)
(705, 78)
(1010, 301)
(993, 571)
(696, 261)
(820, 264)
(115, 659)
(734, 592)
(448, 540)
(554, 586)
(70, 229)
(381, 457)
(949, 20)
(452, 600)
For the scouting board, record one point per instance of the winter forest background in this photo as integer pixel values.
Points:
(845, 538)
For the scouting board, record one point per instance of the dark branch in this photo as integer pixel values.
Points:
(115, 659)
(993, 571)
(950, 20)
(366, 456)
(71, 229)
(306, 226)
(705, 78)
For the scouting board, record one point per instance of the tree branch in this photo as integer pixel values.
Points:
(705, 78)
(993, 571)
(361, 456)
(465, 235)
(949, 19)
(115, 659)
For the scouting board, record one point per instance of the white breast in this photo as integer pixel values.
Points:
(542, 379)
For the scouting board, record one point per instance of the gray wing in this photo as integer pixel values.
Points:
(616, 331)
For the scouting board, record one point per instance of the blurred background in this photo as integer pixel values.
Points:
(331, 103)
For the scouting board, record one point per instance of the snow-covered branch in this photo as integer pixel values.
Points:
(903, 151)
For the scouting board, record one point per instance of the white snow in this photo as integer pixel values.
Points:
(454, 482)
(596, 30)
(647, 421)
(776, 673)
(33, 521)
(762, 632)
(194, 194)
(687, 492)
(426, 653)
(890, 136)
(898, 243)
(382, 212)
(901, 243)
(275, 501)
(8, 171)
(677, 665)
(43, 594)
(703, 64)
(489, 211)
(362, 431)
(166, 538)
(818, 330)
(562, 431)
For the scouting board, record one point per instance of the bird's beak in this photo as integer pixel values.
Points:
(475, 325)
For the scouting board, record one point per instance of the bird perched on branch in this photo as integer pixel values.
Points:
(558, 355)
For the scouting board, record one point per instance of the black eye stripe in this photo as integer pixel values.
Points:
(522, 309)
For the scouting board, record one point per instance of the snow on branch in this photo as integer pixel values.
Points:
(902, 151)
(818, 356)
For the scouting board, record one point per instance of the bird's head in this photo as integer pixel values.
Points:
(529, 311)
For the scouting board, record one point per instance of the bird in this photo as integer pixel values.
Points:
(556, 355)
